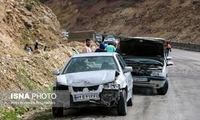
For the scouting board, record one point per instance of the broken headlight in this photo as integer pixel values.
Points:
(157, 73)
(111, 85)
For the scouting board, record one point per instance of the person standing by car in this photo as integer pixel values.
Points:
(110, 47)
(168, 48)
(87, 46)
(103, 36)
(101, 48)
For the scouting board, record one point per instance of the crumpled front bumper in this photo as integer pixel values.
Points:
(108, 98)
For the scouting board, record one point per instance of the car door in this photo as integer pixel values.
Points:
(128, 76)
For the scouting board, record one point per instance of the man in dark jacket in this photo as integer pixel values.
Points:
(101, 48)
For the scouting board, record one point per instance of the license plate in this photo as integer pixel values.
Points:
(86, 97)
(141, 79)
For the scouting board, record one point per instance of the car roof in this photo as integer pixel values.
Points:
(95, 54)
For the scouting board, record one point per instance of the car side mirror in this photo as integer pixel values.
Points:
(128, 69)
(170, 63)
(169, 58)
(56, 72)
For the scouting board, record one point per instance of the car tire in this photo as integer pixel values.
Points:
(57, 112)
(122, 104)
(130, 102)
(164, 89)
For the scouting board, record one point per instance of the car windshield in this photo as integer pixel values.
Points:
(83, 64)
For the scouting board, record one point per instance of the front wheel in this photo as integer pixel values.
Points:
(164, 89)
(122, 104)
(130, 102)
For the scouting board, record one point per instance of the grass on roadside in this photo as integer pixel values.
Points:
(12, 114)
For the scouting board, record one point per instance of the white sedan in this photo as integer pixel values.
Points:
(94, 79)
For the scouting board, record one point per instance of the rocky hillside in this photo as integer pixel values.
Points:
(22, 22)
(177, 20)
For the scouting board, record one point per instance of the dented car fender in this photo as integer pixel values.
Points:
(121, 80)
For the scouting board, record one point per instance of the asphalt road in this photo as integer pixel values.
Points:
(182, 101)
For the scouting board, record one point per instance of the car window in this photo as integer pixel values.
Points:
(121, 61)
(83, 64)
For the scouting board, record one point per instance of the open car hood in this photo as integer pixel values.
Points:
(85, 79)
(142, 47)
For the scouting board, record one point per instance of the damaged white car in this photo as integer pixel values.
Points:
(94, 79)
(150, 64)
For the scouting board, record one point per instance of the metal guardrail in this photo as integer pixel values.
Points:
(186, 46)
